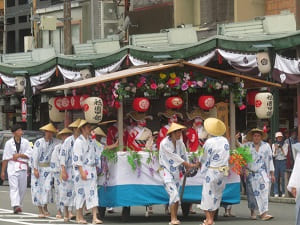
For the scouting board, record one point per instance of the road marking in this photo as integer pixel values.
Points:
(28, 218)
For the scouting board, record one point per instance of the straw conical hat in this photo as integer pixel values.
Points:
(174, 127)
(75, 124)
(256, 130)
(82, 123)
(107, 122)
(136, 116)
(196, 113)
(169, 113)
(49, 127)
(99, 131)
(214, 126)
(64, 131)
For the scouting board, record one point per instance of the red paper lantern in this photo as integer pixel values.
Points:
(58, 103)
(66, 103)
(206, 102)
(251, 97)
(174, 103)
(82, 98)
(141, 104)
(75, 102)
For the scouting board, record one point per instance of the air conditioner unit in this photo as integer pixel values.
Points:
(110, 29)
(28, 43)
(109, 10)
(108, 18)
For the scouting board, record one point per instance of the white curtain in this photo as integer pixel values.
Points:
(69, 74)
(203, 60)
(136, 62)
(243, 60)
(290, 66)
(41, 78)
(9, 81)
(112, 68)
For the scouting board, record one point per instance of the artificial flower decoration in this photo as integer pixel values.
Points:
(163, 76)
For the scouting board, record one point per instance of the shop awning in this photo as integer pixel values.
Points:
(249, 82)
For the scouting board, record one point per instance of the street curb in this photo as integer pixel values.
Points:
(276, 200)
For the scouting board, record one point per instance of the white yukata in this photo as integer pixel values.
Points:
(170, 160)
(17, 170)
(294, 181)
(55, 167)
(67, 189)
(41, 156)
(257, 177)
(214, 167)
(85, 154)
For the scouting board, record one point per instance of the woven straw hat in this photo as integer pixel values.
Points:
(214, 126)
(136, 116)
(75, 124)
(169, 113)
(64, 131)
(107, 122)
(82, 123)
(196, 113)
(49, 127)
(249, 136)
(174, 127)
(99, 131)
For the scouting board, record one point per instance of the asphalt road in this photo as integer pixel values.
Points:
(284, 214)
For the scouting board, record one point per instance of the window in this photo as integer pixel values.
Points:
(10, 3)
(23, 2)
(216, 11)
(10, 21)
(23, 19)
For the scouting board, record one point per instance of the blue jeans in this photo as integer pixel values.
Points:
(280, 167)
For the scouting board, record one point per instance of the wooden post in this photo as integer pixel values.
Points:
(232, 120)
(120, 125)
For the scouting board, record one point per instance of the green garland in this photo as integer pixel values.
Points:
(245, 152)
(111, 155)
(134, 159)
(196, 155)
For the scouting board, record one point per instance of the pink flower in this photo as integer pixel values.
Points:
(139, 84)
(204, 80)
(200, 83)
(153, 86)
(142, 80)
(177, 81)
(184, 86)
(242, 107)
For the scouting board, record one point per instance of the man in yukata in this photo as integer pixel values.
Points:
(67, 190)
(56, 170)
(41, 178)
(214, 167)
(85, 160)
(16, 153)
(294, 182)
(172, 155)
(259, 174)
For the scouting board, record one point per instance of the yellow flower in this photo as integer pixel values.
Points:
(172, 81)
(173, 75)
(162, 76)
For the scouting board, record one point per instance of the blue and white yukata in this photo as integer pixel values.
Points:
(54, 164)
(294, 181)
(258, 177)
(41, 187)
(170, 159)
(17, 170)
(86, 154)
(214, 168)
(67, 189)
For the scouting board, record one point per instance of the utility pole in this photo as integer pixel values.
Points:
(4, 28)
(67, 28)
(67, 44)
(35, 26)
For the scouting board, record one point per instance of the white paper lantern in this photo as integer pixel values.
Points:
(93, 109)
(264, 105)
(54, 114)
(20, 84)
(85, 74)
(263, 61)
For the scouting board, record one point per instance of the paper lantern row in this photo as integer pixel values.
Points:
(69, 102)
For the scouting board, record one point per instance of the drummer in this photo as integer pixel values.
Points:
(172, 156)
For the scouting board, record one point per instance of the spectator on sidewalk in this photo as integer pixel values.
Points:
(280, 150)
